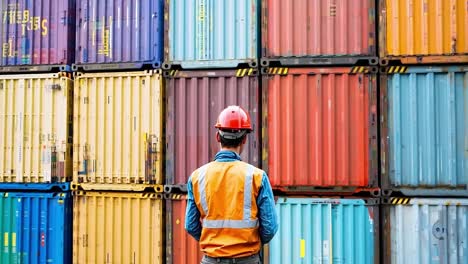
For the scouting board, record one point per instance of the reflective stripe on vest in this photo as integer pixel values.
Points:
(246, 222)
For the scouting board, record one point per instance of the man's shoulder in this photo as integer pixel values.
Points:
(197, 171)
(257, 171)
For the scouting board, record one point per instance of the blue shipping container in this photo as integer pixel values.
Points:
(33, 186)
(36, 227)
(119, 34)
(421, 230)
(326, 231)
(211, 33)
(425, 120)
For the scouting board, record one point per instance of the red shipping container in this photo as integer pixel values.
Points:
(194, 100)
(321, 129)
(181, 248)
(294, 32)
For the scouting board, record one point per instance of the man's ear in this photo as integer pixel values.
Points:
(218, 137)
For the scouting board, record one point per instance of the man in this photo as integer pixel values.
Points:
(233, 199)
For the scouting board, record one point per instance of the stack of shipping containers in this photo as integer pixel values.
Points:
(423, 101)
(359, 110)
(117, 132)
(319, 117)
(211, 62)
(37, 40)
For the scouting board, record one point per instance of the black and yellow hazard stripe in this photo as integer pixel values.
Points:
(148, 195)
(396, 200)
(396, 69)
(278, 71)
(244, 72)
(175, 196)
(173, 72)
(359, 69)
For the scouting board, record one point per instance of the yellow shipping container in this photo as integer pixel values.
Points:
(117, 130)
(432, 28)
(35, 122)
(111, 227)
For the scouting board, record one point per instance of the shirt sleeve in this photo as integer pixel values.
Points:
(268, 220)
(192, 215)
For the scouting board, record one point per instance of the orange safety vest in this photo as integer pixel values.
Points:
(226, 196)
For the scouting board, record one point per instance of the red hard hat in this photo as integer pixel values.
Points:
(234, 118)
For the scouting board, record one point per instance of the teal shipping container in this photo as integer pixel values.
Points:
(211, 33)
(424, 130)
(326, 230)
(36, 227)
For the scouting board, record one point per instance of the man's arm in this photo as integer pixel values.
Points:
(267, 213)
(192, 215)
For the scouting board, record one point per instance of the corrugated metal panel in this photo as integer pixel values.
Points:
(34, 226)
(194, 100)
(325, 230)
(37, 32)
(318, 28)
(320, 127)
(430, 27)
(35, 128)
(117, 228)
(426, 128)
(426, 231)
(181, 248)
(118, 128)
(206, 33)
(120, 31)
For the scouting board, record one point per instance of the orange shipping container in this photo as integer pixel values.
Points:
(181, 248)
(117, 228)
(320, 129)
(424, 31)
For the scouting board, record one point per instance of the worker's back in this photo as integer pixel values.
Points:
(233, 199)
(230, 222)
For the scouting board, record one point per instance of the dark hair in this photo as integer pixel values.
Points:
(233, 143)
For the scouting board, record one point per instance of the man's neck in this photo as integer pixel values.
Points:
(236, 150)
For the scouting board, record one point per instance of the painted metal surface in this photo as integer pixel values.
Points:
(320, 127)
(181, 248)
(112, 227)
(425, 231)
(326, 230)
(118, 128)
(194, 100)
(37, 32)
(424, 129)
(14, 186)
(35, 227)
(35, 128)
(318, 28)
(119, 32)
(211, 34)
(424, 28)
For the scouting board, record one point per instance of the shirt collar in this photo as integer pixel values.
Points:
(227, 155)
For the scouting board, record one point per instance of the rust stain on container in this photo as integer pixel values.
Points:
(321, 127)
(194, 100)
(181, 248)
(318, 28)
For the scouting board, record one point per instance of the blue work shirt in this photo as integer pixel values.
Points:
(267, 218)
